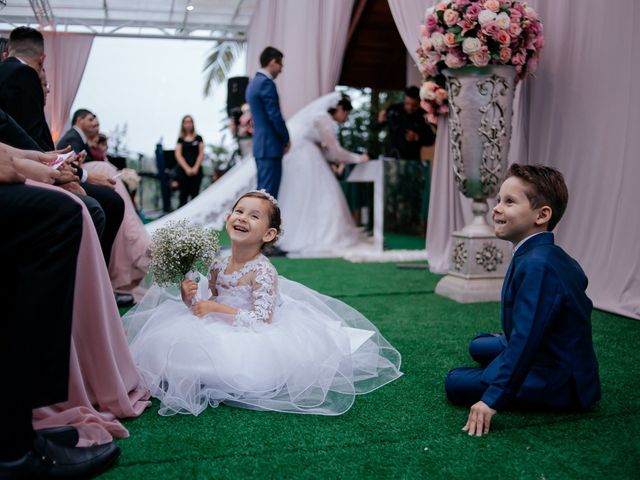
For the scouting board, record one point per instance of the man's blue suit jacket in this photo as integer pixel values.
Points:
(270, 134)
(546, 317)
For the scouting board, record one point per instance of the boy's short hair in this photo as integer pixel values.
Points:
(547, 187)
(269, 54)
(26, 41)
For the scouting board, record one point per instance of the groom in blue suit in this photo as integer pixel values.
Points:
(270, 137)
(545, 358)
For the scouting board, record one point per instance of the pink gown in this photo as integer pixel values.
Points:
(103, 381)
(130, 254)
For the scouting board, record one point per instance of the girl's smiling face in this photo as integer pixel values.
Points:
(249, 222)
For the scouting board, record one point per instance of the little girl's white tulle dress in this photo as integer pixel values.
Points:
(289, 348)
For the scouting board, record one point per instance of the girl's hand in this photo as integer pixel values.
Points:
(204, 307)
(188, 290)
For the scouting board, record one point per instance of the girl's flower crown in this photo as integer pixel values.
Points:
(270, 197)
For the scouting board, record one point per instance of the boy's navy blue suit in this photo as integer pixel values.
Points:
(270, 134)
(545, 357)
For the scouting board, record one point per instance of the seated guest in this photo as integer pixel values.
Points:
(84, 126)
(43, 244)
(98, 147)
(545, 358)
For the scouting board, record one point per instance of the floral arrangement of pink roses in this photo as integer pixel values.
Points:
(459, 33)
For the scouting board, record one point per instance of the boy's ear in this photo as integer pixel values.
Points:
(544, 215)
(269, 235)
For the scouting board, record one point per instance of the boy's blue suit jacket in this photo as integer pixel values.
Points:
(270, 134)
(546, 317)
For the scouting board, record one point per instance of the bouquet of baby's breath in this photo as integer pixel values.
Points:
(179, 248)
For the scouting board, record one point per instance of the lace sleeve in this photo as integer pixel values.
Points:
(264, 296)
(329, 142)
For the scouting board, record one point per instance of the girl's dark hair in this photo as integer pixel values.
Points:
(275, 217)
(183, 133)
(344, 102)
(546, 186)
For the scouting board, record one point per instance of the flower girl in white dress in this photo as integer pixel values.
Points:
(260, 341)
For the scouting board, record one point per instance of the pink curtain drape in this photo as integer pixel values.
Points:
(66, 59)
(571, 118)
(311, 35)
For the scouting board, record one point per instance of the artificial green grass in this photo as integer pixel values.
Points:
(406, 429)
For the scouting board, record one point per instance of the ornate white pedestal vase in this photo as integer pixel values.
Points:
(480, 111)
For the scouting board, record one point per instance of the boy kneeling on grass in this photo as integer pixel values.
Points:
(545, 358)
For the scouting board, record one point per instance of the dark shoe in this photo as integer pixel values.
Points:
(48, 460)
(274, 251)
(124, 299)
(65, 436)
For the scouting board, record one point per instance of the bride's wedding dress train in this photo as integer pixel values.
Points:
(315, 215)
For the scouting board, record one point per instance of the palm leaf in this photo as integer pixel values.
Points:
(218, 63)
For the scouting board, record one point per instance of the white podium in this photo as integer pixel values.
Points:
(373, 172)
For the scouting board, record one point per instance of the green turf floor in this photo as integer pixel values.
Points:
(406, 429)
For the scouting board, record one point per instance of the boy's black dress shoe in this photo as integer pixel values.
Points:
(65, 436)
(49, 460)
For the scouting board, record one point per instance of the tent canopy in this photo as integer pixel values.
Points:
(184, 19)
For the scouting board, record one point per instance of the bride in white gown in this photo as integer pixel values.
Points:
(315, 214)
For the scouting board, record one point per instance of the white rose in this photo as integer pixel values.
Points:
(486, 16)
(437, 40)
(503, 20)
(427, 91)
(471, 45)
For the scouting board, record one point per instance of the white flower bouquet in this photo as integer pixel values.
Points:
(179, 248)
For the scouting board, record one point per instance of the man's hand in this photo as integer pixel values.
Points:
(479, 420)
(8, 172)
(287, 147)
(73, 187)
(101, 179)
(411, 136)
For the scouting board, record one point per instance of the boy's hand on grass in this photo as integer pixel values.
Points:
(479, 420)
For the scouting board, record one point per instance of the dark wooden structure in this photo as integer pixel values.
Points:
(375, 56)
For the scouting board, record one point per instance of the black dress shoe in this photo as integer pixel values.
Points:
(65, 436)
(49, 460)
(124, 299)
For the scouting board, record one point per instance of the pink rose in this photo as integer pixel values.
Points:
(431, 21)
(429, 68)
(505, 54)
(515, 15)
(453, 61)
(532, 64)
(539, 42)
(451, 17)
(514, 30)
(425, 43)
(493, 5)
(466, 24)
(491, 29)
(432, 119)
(480, 59)
(531, 13)
(503, 38)
(443, 109)
(473, 11)
(518, 59)
(427, 106)
(441, 95)
(450, 40)
(441, 6)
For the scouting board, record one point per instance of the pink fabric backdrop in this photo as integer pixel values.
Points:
(311, 35)
(66, 58)
(569, 118)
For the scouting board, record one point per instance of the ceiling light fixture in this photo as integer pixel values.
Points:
(190, 7)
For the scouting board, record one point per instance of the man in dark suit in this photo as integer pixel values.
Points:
(39, 246)
(545, 358)
(270, 136)
(21, 94)
(83, 124)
